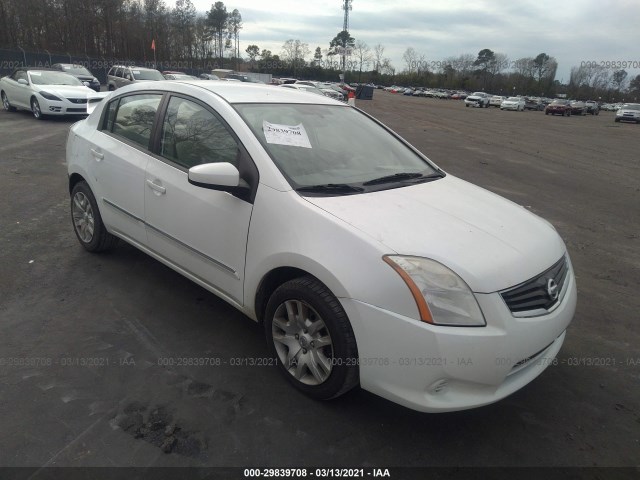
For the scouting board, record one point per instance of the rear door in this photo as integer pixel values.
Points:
(120, 152)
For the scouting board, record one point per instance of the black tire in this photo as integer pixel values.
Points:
(85, 213)
(466, 104)
(35, 109)
(6, 104)
(338, 359)
(111, 88)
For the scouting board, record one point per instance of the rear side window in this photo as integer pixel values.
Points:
(133, 117)
(192, 135)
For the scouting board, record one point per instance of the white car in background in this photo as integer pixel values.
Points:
(513, 103)
(365, 263)
(477, 99)
(496, 100)
(47, 92)
(303, 87)
(629, 112)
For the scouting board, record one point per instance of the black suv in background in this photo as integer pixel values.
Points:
(533, 104)
(80, 72)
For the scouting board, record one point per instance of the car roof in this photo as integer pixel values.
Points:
(133, 67)
(239, 92)
(35, 69)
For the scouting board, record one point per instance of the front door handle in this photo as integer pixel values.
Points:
(159, 189)
(97, 155)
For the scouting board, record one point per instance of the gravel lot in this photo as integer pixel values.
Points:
(88, 341)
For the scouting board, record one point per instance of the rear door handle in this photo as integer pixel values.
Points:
(97, 155)
(157, 188)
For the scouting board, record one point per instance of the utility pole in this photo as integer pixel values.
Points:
(346, 6)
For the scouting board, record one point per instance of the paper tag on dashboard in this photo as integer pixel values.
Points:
(291, 135)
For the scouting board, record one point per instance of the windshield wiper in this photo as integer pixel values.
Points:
(331, 188)
(401, 176)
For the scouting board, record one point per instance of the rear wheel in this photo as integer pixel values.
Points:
(87, 222)
(5, 103)
(310, 336)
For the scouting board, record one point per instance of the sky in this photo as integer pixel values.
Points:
(572, 31)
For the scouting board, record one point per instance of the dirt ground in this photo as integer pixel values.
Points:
(84, 338)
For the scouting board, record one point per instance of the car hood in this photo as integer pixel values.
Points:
(67, 91)
(490, 242)
(624, 111)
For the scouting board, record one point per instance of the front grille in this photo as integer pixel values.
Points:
(534, 294)
(77, 100)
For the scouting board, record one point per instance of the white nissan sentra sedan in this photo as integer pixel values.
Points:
(365, 262)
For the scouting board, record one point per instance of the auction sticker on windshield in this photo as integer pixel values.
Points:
(291, 135)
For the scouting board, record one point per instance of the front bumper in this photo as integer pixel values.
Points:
(627, 118)
(438, 369)
(64, 107)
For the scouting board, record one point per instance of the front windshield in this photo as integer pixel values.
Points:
(147, 75)
(513, 99)
(559, 102)
(329, 144)
(631, 107)
(53, 78)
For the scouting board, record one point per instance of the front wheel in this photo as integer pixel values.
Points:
(87, 222)
(309, 334)
(35, 109)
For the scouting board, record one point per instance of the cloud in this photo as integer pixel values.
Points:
(572, 30)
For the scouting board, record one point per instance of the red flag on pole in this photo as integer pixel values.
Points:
(153, 44)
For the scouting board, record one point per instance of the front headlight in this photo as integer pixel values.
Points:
(442, 297)
(50, 96)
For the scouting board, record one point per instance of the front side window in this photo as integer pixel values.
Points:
(20, 75)
(134, 117)
(192, 135)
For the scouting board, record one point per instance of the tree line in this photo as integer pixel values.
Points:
(122, 29)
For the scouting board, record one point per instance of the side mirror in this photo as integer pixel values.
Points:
(221, 176)
(22, 81)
